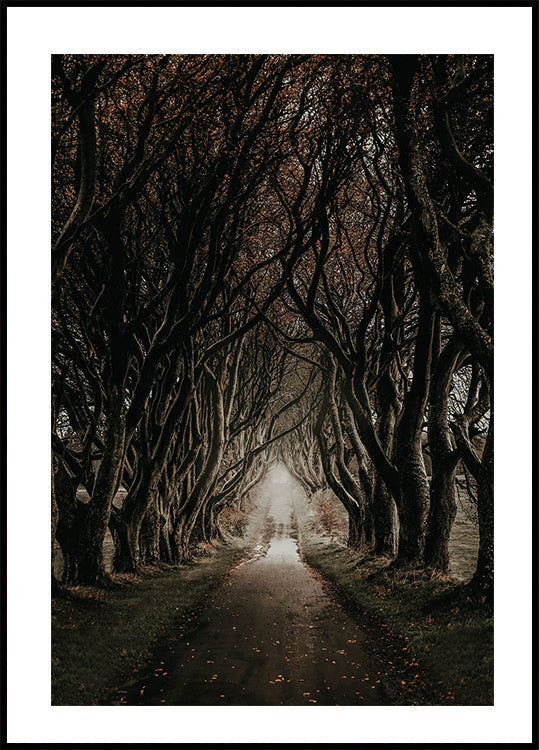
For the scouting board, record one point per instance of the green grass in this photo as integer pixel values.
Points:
(100, 637)
(444, 634)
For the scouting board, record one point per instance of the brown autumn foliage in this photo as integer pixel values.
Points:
(269, 255)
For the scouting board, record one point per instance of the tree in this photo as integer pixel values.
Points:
(452, 212)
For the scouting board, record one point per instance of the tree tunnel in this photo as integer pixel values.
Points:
(262, 259)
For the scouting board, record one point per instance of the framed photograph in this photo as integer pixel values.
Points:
(251, 386)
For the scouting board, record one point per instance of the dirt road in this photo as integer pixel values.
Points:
(270, 635)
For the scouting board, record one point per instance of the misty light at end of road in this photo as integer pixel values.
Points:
(280, 474)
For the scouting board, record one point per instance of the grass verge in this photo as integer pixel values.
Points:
(99, 637)
(439, 642)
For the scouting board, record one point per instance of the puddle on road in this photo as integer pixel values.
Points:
(280, 546)
(282, 551)
(283, 546)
